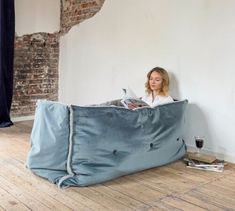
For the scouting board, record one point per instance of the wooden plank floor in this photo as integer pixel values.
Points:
(171, 187)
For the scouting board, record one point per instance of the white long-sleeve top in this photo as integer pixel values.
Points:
(158, 100)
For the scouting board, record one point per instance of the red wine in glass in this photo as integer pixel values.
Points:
(199, 143)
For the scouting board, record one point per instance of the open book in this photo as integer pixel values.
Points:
(217, 165)
(131, 98)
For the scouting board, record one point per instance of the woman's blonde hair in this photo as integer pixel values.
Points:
(165, 81)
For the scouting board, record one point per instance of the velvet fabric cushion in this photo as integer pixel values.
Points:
(95, 144)
(49, 140)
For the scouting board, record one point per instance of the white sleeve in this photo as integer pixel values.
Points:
(169, 99)
(146, 99)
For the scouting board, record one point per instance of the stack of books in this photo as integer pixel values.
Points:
(204, 162)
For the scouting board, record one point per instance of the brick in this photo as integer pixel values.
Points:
(31, 68)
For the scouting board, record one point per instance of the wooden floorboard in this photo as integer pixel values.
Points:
(170, 187)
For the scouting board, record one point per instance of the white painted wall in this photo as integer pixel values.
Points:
(37, 16)
(193, 39)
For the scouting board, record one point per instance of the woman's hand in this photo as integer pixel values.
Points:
(132, 106)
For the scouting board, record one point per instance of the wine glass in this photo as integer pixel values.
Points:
(199, 140)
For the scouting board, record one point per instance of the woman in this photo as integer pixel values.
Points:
(157, 87)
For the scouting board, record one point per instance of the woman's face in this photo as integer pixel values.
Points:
(155, 81)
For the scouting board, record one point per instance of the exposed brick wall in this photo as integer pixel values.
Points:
(37, 56)
(36, 71)
(74, 12)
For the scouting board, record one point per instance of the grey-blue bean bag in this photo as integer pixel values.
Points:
(85, 145)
